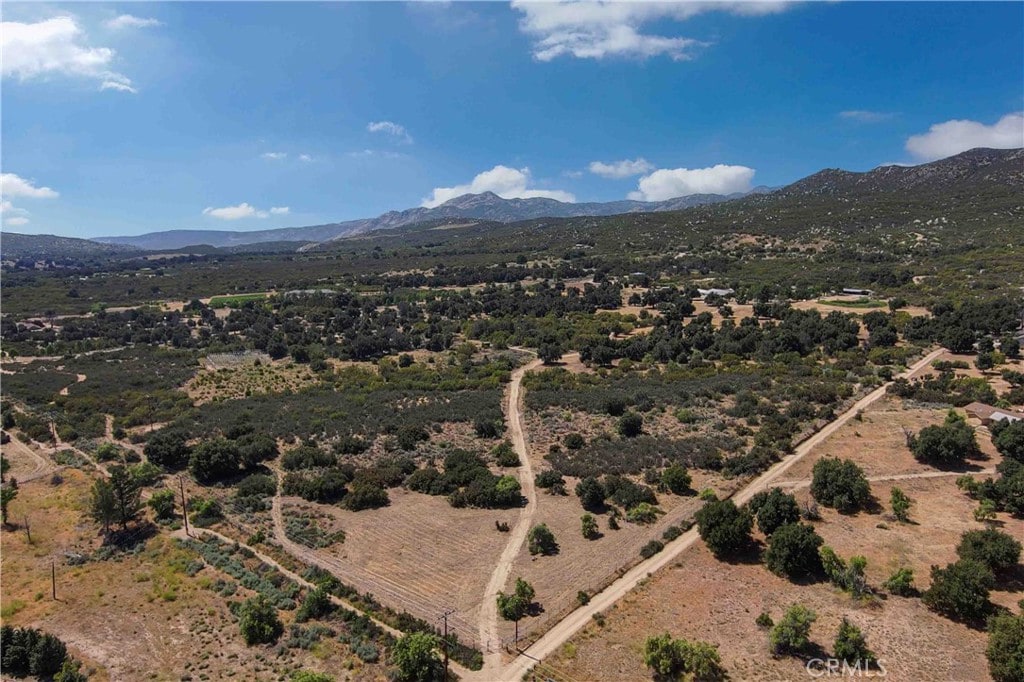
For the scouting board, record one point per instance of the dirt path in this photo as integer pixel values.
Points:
(42, 465)
(79, 378)
(489, 638)
(806, 483)
(575, 621)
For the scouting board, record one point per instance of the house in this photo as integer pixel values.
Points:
(856, 292)
(724, 293)
(988, 414)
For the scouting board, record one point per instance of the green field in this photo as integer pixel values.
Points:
(235, 301)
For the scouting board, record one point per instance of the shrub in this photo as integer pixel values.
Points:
(1008, 437)
(674, 659)
(591, 493)
(1005, 651)
(162, 504)
(651, 548)
(167, 448)
(588, 526)
(643, 513)
(505, 455)
(773, 509)
(549, 479)
(541, 540)
(901, 582)
(764, 620)
(574, 441)
(415, 656)
(995, 549)
(366, 496)
(791, 635)
(259, 622)
(317, 604)
(960, 590)
(900, 502)
(793, 552)
(676, 479)
(724, 527)
(841, 484)
(214, 460)
(851, 647)
(307, 457)
(630, 425)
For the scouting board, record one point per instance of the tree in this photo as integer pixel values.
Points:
(676, 479)
(70, 671)
(316, 604)
(841, 484)
(591, 493)
(791, 634)
(900, 504)
(259, 622)
(588, 526)
(549, 353)
(793, 552)
(103, 504)
(946, 445)
(673, 658)
(724, 527)
(513, 607)
(162, 504)
(630, 425)
(214, 460)
(5, 466)
(167, 448)
(960, 590)
(995, 549)
(542, 540)
(1008, 437)
(7, 494)
(127, 495)
(1005, 651)
(773, 509)
(415, 656)
(851, 646)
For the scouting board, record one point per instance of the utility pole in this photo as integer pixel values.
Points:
(53, 578)
(444, 617)
(184, 506)
(28, 531)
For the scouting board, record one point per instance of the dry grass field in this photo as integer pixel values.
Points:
(248, 380)
(702, 598)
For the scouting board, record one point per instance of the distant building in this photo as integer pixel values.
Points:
(988, 414)
(857, 292)
(704, 293)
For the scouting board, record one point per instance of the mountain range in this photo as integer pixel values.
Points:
(960, 175)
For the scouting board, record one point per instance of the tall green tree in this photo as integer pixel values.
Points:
(127, 495)
(415, 656)
(7, 494)
(103, 504)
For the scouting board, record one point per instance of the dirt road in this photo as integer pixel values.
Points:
(489, 637)
(806, 483)
(576, 620)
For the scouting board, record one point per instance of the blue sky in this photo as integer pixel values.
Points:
(128, 118)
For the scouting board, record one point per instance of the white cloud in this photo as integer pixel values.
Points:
(130, 21)
(589, 29)
(621, 169)
(16, 221)
(279, 210)
(507, 183)
(953, 137)
(274, 156)
(863, 116)
(305, 158)
(243, 210)
(12, 185)
(669, 183)
(390, 128)
(55, 47)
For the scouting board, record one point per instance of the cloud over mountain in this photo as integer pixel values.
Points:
(507, 183)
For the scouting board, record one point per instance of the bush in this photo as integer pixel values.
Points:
(1005, 651)
(946, 445)
(366, 496)
(574, 441)
(505, 455)
(1008, 437)
(259, 622)
(162, 504)
(630, 425)
(791, 635)
(841, 484)
(416, 659)
(773, 509)
(307, 457)
(643, 513)
(993, 548)
(651, 548)
(793, 552)
(28, 651)
(167, 448)
(549, 479)
(591, 493)
(588, 526)
(541, 540)
(724, 527)
(960, 590)
(214, 460)
(317, 604)
(901, 583)
(900, 503)
(326, 487)
(676, 479)
(673, 659)
(851, 647)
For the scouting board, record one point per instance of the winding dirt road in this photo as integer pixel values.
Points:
(489, 637)
(575, 621)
